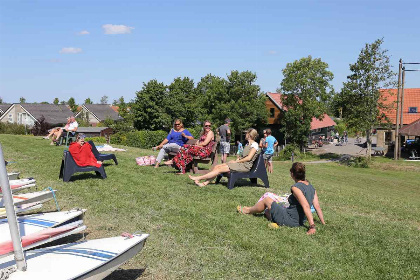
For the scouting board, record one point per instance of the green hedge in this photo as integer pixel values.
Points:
(95, 140)
(145, 139)
(12, 128)
(140, 139)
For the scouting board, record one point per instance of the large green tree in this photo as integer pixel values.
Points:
(305, 91)
(88, 101)
(180, 101)
(148, 107)
(246, 103)
(361, 97)
(212, 94)
(237, 98)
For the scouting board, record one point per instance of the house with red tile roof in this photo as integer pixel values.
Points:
(276, 109)
(410, 114)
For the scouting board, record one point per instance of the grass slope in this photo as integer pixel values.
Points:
(372, 215)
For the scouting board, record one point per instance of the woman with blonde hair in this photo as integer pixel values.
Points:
(201, 149)
(243, 164)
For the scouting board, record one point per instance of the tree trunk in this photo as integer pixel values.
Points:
(369, 144)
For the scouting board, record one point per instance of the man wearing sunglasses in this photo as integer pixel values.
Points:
(176, 138)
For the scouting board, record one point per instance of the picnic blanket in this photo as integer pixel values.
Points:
(108, 148)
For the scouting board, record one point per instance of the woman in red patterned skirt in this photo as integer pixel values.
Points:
(201, 149)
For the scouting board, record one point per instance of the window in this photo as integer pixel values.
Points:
(388, 137)
(10, 118)
(271, 112)
(412, 110)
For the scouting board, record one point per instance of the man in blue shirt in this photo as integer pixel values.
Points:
(269, 145)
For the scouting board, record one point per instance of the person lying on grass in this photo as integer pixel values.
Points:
(302, 198)
(81, 152)
(243, 164)
(201, 149)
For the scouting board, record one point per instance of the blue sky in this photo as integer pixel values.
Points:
(90, 49)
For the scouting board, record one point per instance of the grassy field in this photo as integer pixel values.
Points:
(372, 216)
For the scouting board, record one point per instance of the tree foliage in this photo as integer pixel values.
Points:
(361, 98)
(72, 104)
(148, 107)
(56, 101)
(22, 100)
(306, 89)
(88, 101)
(180, 102)
(104, 99)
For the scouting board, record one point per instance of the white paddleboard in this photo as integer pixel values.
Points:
(34, 223)
(42, 237)
(21, 209)
(93, 259)
(13, 175)
(27, 198)
(21, 182)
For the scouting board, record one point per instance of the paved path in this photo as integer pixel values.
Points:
(347, 149)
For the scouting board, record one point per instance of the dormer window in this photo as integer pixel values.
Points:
(412, 110)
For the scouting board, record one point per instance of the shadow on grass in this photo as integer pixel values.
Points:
(125, 274)
(82, 176)
(330, 156)
(242, 183)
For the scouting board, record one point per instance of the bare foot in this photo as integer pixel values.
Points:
(179, 173)
(193, 178)
(205, 183)
(157, 165)
(168, 162)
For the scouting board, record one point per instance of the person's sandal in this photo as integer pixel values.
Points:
(240, 210)
(273, 226)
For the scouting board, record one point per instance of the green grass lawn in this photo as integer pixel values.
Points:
(372, 216)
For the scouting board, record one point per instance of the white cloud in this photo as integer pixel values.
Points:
(83, 32)
(116, 29)
(272, 52)
(71, 50)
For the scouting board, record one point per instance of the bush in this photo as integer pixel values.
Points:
(359, 162)
(41, 127)
(12, 128)
(141, 139)
(286, 153)
(95, 140)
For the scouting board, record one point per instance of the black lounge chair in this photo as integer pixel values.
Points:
(102, 157)
(257, 171)
(69, 167)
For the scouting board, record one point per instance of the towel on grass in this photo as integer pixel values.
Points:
(108, 148)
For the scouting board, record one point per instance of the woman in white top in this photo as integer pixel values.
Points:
(243, 164)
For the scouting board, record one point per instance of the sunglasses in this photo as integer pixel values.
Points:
(177, 124)
(207, 126)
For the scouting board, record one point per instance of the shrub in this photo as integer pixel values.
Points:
(12, 128)
(140, 139)
(41, 127)
(95, 140)
(286, 153)
(359, 162)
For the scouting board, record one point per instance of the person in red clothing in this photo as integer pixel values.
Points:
(82, 152)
